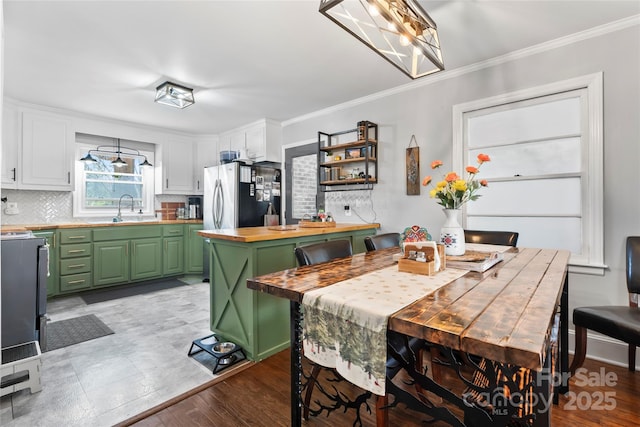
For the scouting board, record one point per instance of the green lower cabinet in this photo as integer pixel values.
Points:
(146, 259)
(257, 321)
(85, 258)
(110, 263)
(173, 258)
(75, 282)
(75, 266)
(53, 288)
(194, 250)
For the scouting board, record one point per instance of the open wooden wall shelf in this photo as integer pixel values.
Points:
(343, 161)
(347, 145)
(350, 181)
(365, 138)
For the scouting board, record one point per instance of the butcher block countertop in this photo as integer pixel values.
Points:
(259, 234)
(49, 226)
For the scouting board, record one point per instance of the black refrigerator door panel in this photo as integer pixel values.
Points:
(254, 197)
(248, 207)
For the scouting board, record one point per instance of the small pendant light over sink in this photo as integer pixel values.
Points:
(174, 95)
(118, 150)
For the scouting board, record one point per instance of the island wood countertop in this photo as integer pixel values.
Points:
(37, 227)
(259, 234)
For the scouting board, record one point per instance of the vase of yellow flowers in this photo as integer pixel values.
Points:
(451, 193)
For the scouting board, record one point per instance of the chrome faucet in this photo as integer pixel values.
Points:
(118, 217)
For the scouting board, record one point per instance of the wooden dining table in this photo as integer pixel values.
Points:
(508, 326)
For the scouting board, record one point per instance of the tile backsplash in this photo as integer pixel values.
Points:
(50, 207)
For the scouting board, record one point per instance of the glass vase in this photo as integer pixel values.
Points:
(452, 233)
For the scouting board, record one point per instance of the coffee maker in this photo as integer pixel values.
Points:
(194, 207)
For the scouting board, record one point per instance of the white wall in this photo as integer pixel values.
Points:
(425, 109)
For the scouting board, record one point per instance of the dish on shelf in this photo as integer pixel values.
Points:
(227, 360)
(209, 340)
(223, 347)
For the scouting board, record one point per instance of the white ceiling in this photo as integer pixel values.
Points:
(247, 60)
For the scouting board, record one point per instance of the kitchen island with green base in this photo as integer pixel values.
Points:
(254, 320)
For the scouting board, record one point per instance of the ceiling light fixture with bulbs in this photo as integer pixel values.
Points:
(398, 30)
(115, 150)
(174, 95)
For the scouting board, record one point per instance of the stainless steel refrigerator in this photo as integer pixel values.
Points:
(25, 262)
(238, 195)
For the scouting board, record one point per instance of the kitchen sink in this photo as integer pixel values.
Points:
(124, 221)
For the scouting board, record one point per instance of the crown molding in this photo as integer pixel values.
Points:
(502, 59)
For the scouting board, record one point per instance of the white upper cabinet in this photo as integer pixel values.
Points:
(43, 158)
(10, 144)
(206, 155)
(175, 167)
(261, 139)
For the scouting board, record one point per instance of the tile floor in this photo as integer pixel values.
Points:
(109, 379)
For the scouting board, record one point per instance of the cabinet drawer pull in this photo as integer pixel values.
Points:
(73, 282)
(76, 237)
(76, 266)
(174, 231)
(75, 251)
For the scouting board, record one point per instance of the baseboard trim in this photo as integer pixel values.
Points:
(605, 349)
(154, 410)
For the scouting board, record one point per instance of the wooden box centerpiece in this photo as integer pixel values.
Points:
(420, 258)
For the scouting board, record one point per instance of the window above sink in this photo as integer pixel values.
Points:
(100, 185)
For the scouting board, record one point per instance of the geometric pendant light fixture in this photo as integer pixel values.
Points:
(174, 95)
(398, 30)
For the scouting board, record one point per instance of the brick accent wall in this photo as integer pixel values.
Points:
(304, 177)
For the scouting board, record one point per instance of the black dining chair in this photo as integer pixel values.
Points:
(619, 322)
(322, 252)
(381, 241)
(504, 238)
